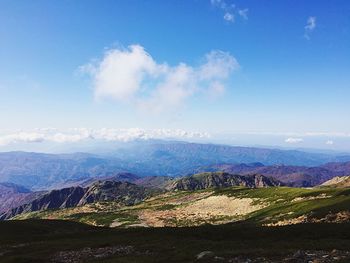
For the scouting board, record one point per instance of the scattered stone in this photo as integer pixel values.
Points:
(334, 251)
(300, 256)
(205, 255)
(75, 256)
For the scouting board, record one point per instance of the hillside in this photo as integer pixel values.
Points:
(262, 206)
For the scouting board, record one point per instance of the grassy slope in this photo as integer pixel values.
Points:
(287, 203)
(38, 240)
(283, 203)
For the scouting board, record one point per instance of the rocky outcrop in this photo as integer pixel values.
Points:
(339, 181)
(221, 179)
(123, 192)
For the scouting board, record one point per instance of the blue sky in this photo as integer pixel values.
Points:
(287, 65)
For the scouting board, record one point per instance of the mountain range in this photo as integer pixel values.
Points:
(126, 193)
(40, 171)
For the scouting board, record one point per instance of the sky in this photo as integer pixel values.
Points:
(240, 72)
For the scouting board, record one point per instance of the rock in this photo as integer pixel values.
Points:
(220, 179)
(298, 254)
(334, 252)
(205, 255)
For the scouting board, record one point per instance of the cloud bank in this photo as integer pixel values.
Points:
(104, 134)
(293, 140)
(131, 75)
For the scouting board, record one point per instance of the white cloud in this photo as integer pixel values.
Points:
(62, 138)
(329, 142)
(22, 137)
(131, 75)
(229, 17)
(310, 26)
(218, 65)
(83, 134)
(243, 13)
(303, 134)
(293, 140)
(229, 10)
(120, 73)
(216, 90)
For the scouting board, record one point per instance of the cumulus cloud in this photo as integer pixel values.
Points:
(104, 134)
(131, 75)
(293, 140)
(121, 71)
(310, 26)
(229, 10)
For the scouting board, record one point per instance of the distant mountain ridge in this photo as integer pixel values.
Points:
(297, 176)
(37, 171)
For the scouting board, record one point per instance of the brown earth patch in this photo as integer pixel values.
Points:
(212, 209)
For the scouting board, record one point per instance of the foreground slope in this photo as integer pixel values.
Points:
(62, 241)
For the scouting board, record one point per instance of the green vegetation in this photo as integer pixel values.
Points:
(104, 219)
(287, 203)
